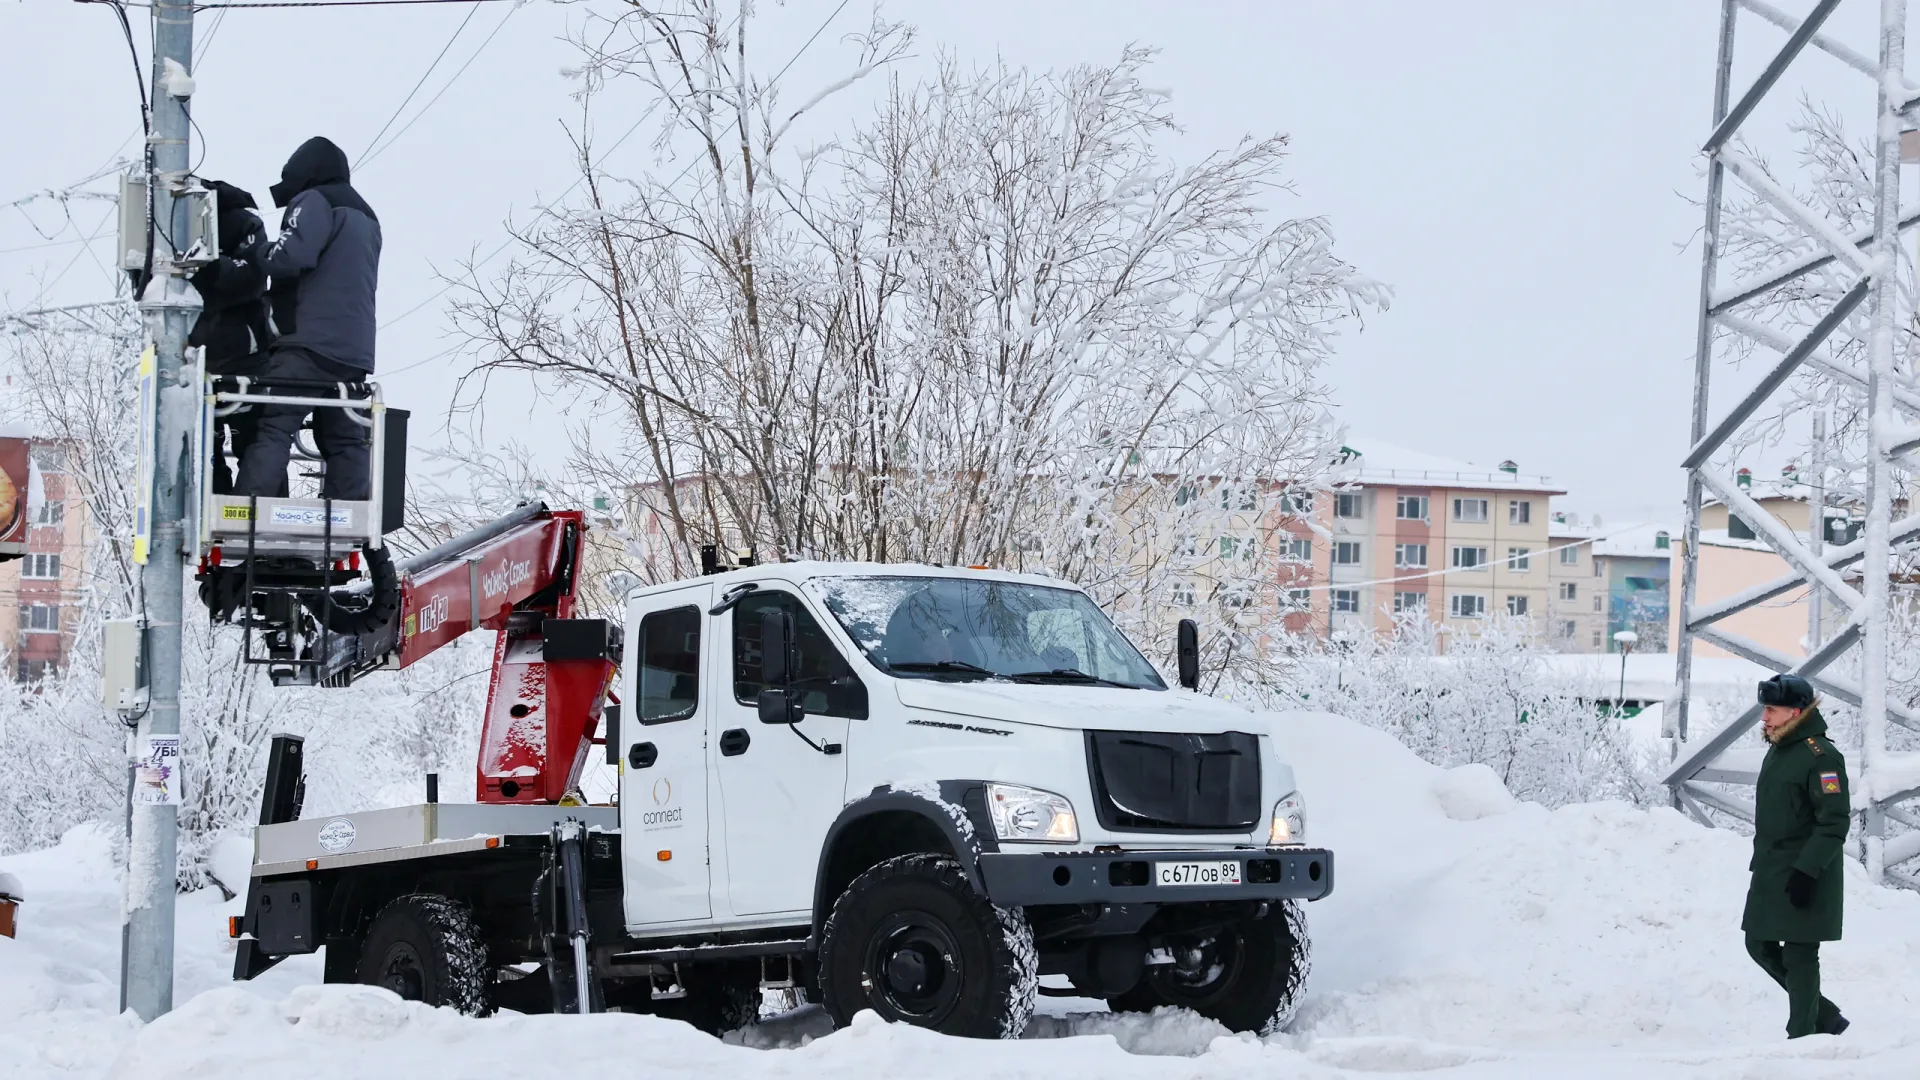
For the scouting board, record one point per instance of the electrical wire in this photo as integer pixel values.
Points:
(375, 141)
(367, 159)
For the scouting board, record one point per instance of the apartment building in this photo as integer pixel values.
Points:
(1411, 532)
(1606, 580)
(1734, 559)
(43, 584)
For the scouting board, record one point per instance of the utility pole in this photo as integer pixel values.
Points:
(169, 305)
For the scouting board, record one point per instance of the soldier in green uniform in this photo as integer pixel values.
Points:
(1801, 814)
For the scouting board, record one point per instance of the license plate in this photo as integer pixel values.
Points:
(1197, 873)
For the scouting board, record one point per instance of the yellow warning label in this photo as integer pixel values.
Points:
(235, 513)
(406, 629)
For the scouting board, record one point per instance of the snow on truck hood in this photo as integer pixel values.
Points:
(1079, 707)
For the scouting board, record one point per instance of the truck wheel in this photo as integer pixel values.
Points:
(1249, 975)
(721, 997)
(426, 948)
(912, 940)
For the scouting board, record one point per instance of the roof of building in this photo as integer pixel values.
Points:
(1638, 540)
(1379, 462)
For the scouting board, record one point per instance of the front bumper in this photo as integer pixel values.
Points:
(1019, 878)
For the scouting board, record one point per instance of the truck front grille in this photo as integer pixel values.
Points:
(1161, 782)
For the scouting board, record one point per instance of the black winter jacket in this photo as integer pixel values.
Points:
(326, 263)
(233, 320)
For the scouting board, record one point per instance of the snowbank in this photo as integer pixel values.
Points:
(1468, 935)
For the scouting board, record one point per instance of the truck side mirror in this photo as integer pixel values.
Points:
(780, 707)
(1187, 647)
(776, 649)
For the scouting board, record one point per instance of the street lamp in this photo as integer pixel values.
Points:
(1626, 639)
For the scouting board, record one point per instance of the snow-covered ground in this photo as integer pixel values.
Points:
(1467, 936)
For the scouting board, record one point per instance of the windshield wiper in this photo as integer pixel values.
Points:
(1069, 675)
(944, 667)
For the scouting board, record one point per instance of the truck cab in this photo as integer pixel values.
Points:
(807, 745)
(906, 788)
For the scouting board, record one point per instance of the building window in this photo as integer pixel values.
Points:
(1297, 502)
(1569, 590)
(39, 618)
(1348, 504)
(1519, 560)
(1516, 605)
(1409, 601)
(1410, 508)
(1184, 593)
(49, 458)
(1236, 598)
(39, 564)
(1410, 555)
(1598, 569)
(1183, 495)
(1467, 606)
(1300, 549)
(1302, 598)
(1597, 642)
(1472, 511)
(1346, 553)
(1520, 512)
(51, 512)
(1466, 558)
(1346, 600)
(1243, 547)
(1186, 545)
(1598, 601)
(1238, 498)
(1570, 555)
(1568, 629)
(1738, 530)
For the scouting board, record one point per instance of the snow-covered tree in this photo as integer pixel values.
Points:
(993, 321)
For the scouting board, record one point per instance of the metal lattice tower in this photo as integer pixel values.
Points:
(1893, 424)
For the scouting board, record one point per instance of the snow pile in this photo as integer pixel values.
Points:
(1471, 792)
(1469, 935)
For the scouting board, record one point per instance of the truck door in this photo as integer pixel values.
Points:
(778, 794)
(663, 769)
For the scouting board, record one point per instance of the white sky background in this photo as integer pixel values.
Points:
(1517, 171)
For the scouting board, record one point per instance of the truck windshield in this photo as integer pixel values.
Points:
(970, 629)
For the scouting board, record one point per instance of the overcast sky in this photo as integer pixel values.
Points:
(1517, 171)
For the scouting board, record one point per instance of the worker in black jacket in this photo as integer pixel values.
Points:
(325, 267)
(233, 328)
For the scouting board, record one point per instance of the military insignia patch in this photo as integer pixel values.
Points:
(1830, 783)
(1813, 744)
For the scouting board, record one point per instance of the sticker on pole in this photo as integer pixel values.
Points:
(156, 772)
(143, 464)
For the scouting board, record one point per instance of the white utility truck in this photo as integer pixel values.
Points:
(905, 788)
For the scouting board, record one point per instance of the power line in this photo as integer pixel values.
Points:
(371, 143)
(367, 159)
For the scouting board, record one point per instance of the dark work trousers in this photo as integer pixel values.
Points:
(345, 447)
(237, 426)
(1795, 965)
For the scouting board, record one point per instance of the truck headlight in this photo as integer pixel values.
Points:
(1024, 813)
(1289, 821)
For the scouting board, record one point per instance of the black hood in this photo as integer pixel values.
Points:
(231, 198)
(316, 163)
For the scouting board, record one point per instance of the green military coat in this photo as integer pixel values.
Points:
(1801, 814)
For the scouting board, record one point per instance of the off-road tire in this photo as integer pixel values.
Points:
(426, 947)
(912, 940)
(1266, 962)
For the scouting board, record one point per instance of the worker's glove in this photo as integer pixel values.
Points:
(1800, 887)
